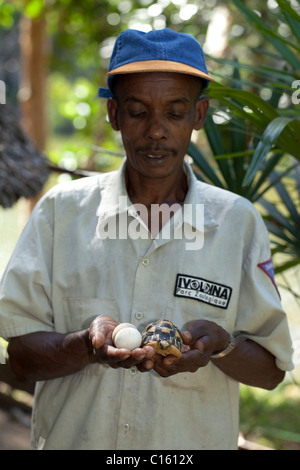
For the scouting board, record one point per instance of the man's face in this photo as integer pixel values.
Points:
(156, 114)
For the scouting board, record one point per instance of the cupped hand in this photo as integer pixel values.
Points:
(201, 339)
(100, 333)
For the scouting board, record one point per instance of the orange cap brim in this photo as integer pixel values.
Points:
(159, 66)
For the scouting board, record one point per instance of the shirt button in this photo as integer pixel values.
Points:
(139, 315)
(145, 262)
(125, 427)
(133, 370)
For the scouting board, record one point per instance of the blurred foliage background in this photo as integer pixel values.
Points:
(53, 58)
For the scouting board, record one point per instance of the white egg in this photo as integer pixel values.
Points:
(127, 337)
(120, 327)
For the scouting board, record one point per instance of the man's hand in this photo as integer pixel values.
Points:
(248, 363)
(201, 339)
(100, 334)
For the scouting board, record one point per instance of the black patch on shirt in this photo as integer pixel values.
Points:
(209, 292)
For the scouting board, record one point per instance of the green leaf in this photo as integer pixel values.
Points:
(294, 25)
(266, 169)
(259, 69)
(280, 219)
(286, 8)
(203, 165)
(238, 138)
(214, 136)
(285, 197)
(243, 153)
(289, 264)
(262, 111)
(216, 142)
(297, 178)
(261, 114)
(280, 44)
(270, 136)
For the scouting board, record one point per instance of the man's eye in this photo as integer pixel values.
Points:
(176, 115)
(137, 114)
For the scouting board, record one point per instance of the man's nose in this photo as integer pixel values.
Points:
(156, 128)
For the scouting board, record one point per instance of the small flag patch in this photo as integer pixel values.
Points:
(268, 268)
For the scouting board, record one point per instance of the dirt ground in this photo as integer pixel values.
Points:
(14, 430)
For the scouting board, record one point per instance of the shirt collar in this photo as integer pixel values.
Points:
(115, 200)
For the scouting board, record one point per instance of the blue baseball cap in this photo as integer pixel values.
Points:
(162, 50)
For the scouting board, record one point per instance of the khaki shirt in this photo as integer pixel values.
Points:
(62, 274)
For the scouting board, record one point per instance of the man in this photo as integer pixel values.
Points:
(93, 256)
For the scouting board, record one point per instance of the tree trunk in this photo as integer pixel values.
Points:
(33, 84)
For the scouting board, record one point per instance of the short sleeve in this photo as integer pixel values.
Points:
(25, 289)
(260, 314)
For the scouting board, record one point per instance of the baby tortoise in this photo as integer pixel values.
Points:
(164, 337)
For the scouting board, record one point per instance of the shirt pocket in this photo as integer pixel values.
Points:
(183, 315)
(80, 312)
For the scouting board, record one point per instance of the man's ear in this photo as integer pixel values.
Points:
(112, 109)
(202, 106)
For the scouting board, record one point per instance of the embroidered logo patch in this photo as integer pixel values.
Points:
(217, 295)
(268, 268)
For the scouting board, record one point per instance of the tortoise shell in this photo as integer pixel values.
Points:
(164, 337)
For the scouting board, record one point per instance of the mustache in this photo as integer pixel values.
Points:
(156, 149)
